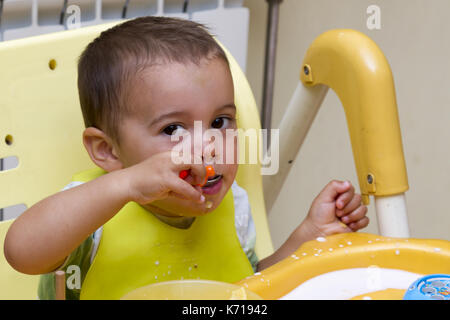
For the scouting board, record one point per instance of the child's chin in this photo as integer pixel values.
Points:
(187, 208)
(200, 209)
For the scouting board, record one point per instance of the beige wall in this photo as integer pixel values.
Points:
(415, 37)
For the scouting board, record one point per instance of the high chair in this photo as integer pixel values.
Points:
(41, 124)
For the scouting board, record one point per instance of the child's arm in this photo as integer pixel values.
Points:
(302, 234)
(41, 238)
(336, 209)
(45, 234)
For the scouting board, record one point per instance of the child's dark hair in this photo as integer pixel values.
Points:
(107, 67)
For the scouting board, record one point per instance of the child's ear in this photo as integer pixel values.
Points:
(101, 149)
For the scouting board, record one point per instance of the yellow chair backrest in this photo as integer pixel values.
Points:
(41, 124)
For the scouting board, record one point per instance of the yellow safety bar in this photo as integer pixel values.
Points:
(352, 65)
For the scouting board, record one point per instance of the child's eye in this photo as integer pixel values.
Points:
(169, 130)
(220, 122)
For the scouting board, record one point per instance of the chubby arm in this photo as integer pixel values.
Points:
(45, 234)
(302, 233)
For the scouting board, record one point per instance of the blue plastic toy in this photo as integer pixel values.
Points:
(431, 287)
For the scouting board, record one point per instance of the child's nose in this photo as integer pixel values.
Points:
(209, 153)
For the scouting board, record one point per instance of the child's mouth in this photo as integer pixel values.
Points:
(213, 185)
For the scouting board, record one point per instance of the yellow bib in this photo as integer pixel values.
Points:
(137, 249)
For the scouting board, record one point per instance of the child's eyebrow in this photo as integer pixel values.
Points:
(175, 114)
(167, 115)
(228, 106)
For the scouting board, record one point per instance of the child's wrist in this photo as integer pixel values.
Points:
(121, 182)
(308, 230)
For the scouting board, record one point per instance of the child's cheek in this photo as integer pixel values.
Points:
(228, 152)
(231, 170)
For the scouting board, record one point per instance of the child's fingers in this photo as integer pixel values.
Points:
(191, 172)
(198, 171)
(332, 190)
(344, 198)
(354, 203)
(360, 224)
(181, 187)
(355, 215)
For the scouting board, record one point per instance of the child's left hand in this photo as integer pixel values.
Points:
(337, 209)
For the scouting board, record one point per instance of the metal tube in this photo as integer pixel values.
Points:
(185, 6)
(269, 64)
(1, 15)
(125, 9)
(63, 12)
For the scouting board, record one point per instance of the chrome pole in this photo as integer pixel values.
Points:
(62, 15)
(269, 64)
(125, 9)
(1, 15)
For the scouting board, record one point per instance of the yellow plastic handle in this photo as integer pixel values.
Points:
(353, 66)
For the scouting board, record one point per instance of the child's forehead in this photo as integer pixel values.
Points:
(171, 87)
(159, 71)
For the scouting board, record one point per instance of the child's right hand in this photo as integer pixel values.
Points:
(157, 178)
(44, 235)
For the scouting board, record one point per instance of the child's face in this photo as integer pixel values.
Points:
(172, 96)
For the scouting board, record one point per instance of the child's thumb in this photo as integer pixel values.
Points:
(332, 190)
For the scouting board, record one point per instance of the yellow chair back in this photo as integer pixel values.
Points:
(41, 124)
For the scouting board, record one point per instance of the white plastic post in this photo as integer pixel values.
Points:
(294, 126)
(392, 216)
